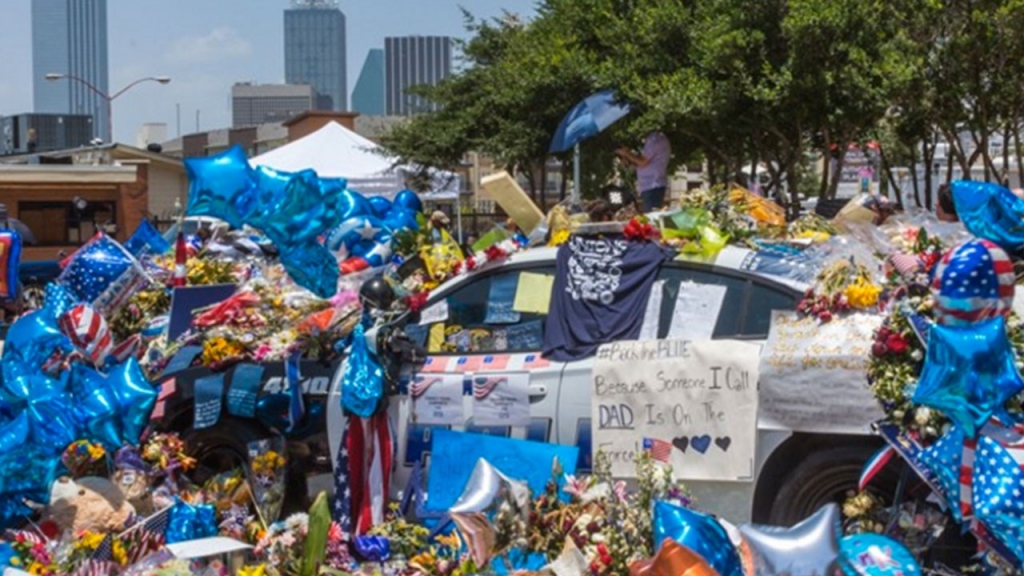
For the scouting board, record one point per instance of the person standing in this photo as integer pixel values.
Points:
(651, 169)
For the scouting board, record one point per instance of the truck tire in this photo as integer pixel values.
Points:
(224, 447)
(832, 474)
(828, 475)
(220, 448)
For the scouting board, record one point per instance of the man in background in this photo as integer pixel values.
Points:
(651, 169)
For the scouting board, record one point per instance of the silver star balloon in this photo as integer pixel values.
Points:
(485, 487)
(811, 548)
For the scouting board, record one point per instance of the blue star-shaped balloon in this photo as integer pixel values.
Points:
(991, 212)
(969, 373)
(222, 186)
(700, 533)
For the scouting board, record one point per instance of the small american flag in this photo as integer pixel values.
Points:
(157, 522)
(658, 449)
(482, 387)
(105, 551)
(906, 265)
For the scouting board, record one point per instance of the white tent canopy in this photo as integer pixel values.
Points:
(337, 152)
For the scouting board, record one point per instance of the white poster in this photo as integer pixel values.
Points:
(692, 404)
(696, 311)
(437, 399)
(652, 316)
(501, 399)
(813, 374)
(436, 312)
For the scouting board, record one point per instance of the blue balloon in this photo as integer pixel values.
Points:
(969, 373)
(372, 548)
(381, 206)
(876, 555)
(991, 212)
(408, 200)
(313, 267)
(96, 408)
(26, 473)
(222, 186)
(353, 231)
(29, 386)
(14, 433)
(700, 533)
(136, 398)
(58, 299)
(400, 219)
(30, 342)
(362, 384)
(53, 424)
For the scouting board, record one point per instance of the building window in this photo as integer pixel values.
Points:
(69, 223)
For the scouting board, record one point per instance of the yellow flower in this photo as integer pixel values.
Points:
(119, 553)
(258, 570)
(862, 294)
(558, 238)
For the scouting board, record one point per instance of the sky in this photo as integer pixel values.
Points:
(205, 46)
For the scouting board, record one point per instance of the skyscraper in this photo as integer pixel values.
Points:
(410, 61)
(254, 104)
(70, 37)
(314, 50)
(368, 95)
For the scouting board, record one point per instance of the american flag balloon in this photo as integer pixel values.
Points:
(973, 281)
(88, 331)
(103, 273)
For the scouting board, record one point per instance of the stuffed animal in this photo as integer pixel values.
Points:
(89, 503)
(134, 486)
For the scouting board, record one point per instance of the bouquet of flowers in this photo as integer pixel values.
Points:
(266, 470)
(843, 286)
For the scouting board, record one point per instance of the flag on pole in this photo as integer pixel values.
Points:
(180, 258)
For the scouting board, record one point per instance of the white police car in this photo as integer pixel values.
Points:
(795, 473)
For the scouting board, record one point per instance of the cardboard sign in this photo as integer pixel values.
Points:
(502, 188)
(692, 404)
(501, 399)
(437, 399)
(812, 374)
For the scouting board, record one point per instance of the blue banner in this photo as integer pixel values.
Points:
(500, 299)
(208, 394)
(245, 385)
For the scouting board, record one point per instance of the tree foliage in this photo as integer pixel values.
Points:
(784, 84)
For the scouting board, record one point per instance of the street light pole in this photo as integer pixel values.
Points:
(108, 99)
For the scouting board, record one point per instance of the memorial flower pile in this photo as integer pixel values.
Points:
(843, 287)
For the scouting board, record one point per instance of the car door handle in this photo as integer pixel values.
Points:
(538, 390)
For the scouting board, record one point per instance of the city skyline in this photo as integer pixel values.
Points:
(411, 61)
(206, 47)
(368, 94)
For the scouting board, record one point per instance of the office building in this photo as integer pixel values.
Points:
(314, 50)
(30, 133)
(368, 95)
(254, 104)
(70, 37)
(410, 61)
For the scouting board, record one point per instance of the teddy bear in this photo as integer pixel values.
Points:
(89, 503)
(134, 486)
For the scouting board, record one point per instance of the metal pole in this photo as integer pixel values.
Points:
(458, 216)
(110, 119)
(576, 192)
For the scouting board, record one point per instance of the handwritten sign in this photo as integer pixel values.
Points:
(245, 386)
(501, 399)
(208, 394)
(437, 399)
(690, 403)
(812, 374)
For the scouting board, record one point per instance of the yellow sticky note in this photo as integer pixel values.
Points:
(533, 294)
(435, 339)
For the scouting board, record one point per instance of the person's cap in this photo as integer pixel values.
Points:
(440, 217)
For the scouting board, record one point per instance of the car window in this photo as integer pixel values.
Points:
(728, 324)
(746, 307)
(481, 318)
(764, 299)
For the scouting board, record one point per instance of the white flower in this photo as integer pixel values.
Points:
(922, 415)
(916, 355)
(597, 538)
(297, 521)
(897, 414)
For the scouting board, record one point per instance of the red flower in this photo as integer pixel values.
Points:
(417, 301)
(879, 349)
(896, 344)
(494, 253)
(825, 316)
(602, 552)
(470, 264)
